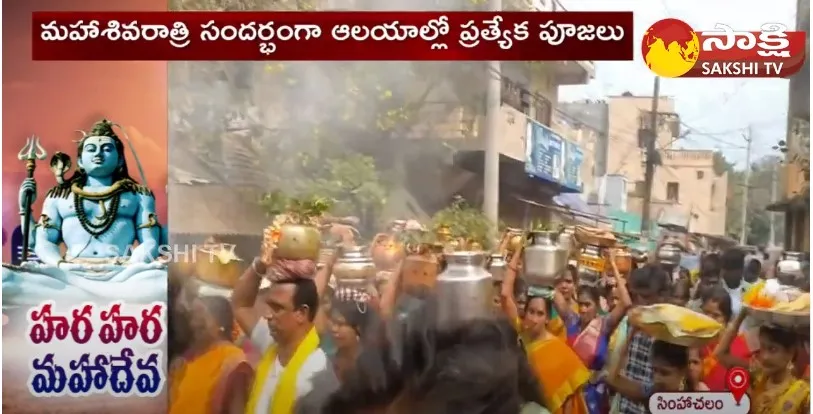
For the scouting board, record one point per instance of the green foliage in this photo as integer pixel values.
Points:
(800, 156)
(328, 128)
(759, 197)
(353, 181)
(465, 222)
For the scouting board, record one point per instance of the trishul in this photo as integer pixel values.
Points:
(30, 153)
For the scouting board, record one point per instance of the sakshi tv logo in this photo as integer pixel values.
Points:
(673, 49)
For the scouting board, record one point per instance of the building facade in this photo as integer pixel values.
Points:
(686, 190)
(795, 202)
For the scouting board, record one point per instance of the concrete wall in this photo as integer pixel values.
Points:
(701, 195)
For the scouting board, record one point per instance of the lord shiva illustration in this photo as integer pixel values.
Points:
(106, 221)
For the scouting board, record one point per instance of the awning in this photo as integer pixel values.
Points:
(587, 219)
(214, 210)
(511, 170)
(574, 203)
(794, 203)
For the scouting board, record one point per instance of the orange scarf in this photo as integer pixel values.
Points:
(197, 384)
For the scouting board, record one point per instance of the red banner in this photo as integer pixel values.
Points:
(332, 36)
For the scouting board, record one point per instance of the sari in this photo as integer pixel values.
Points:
(591, 345)
(714, 373)
(556, 324)
(791, 399)
(562, 377)
(198, 384)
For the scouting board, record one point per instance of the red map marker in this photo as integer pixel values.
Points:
(738, 380)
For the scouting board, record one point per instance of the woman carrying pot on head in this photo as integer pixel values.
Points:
(566, 290)
(588, 332)
(562, 378)
(352, 319)
(775, 385)
(208, 373)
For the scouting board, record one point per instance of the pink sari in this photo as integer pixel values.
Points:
(586, 343)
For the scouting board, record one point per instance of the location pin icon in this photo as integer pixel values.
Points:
(738, 380)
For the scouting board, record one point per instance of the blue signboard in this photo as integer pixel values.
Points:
(572, 170)
(544, 152)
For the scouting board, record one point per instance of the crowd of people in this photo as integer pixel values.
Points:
(304, 345)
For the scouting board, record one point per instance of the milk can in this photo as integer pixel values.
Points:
(669, 254)
(544, 260)
(790, 267)
(497, 267)
(354, 268)
(464, 288)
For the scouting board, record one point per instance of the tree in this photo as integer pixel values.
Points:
(328, 111)
(759, 197)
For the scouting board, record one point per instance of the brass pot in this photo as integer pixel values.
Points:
(386, 251)
(515, 240)
(420, 270)
(354, 268)
(444, 233)
(474, 246)
(298, 242)
(218, 265)
(623, 261)
(184, 267)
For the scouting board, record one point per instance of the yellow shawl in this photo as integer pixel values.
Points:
(284, 397)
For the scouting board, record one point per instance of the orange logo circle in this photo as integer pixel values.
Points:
(670, 48)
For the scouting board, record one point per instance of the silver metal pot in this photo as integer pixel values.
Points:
(669, 254)
(497, 267)
(464, 288)
(544, 259)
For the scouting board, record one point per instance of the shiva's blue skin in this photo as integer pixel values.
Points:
(96, 268)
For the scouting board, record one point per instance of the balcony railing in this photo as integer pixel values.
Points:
(533, 105)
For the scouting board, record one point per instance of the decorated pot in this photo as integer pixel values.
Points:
(421, 268)
(386, 251)
(218, 265)
(298, 242)
(354, 268)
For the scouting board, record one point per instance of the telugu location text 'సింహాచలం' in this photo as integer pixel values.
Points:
(116, 333)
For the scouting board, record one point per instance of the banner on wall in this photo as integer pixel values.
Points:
(574, 159)
(544, 152)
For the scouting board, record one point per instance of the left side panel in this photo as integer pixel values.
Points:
(84, 318)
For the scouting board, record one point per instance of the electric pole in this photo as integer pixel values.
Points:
(746, 187)
(649, 174)
(772, 215)
(491, 170)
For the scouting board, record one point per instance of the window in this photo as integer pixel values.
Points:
(672, 191)
(711, 199)
(512, 95)
(700, 174)
(639, 188)
(542, 110)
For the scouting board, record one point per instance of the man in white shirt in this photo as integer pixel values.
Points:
(293, 304)
(732, 272)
